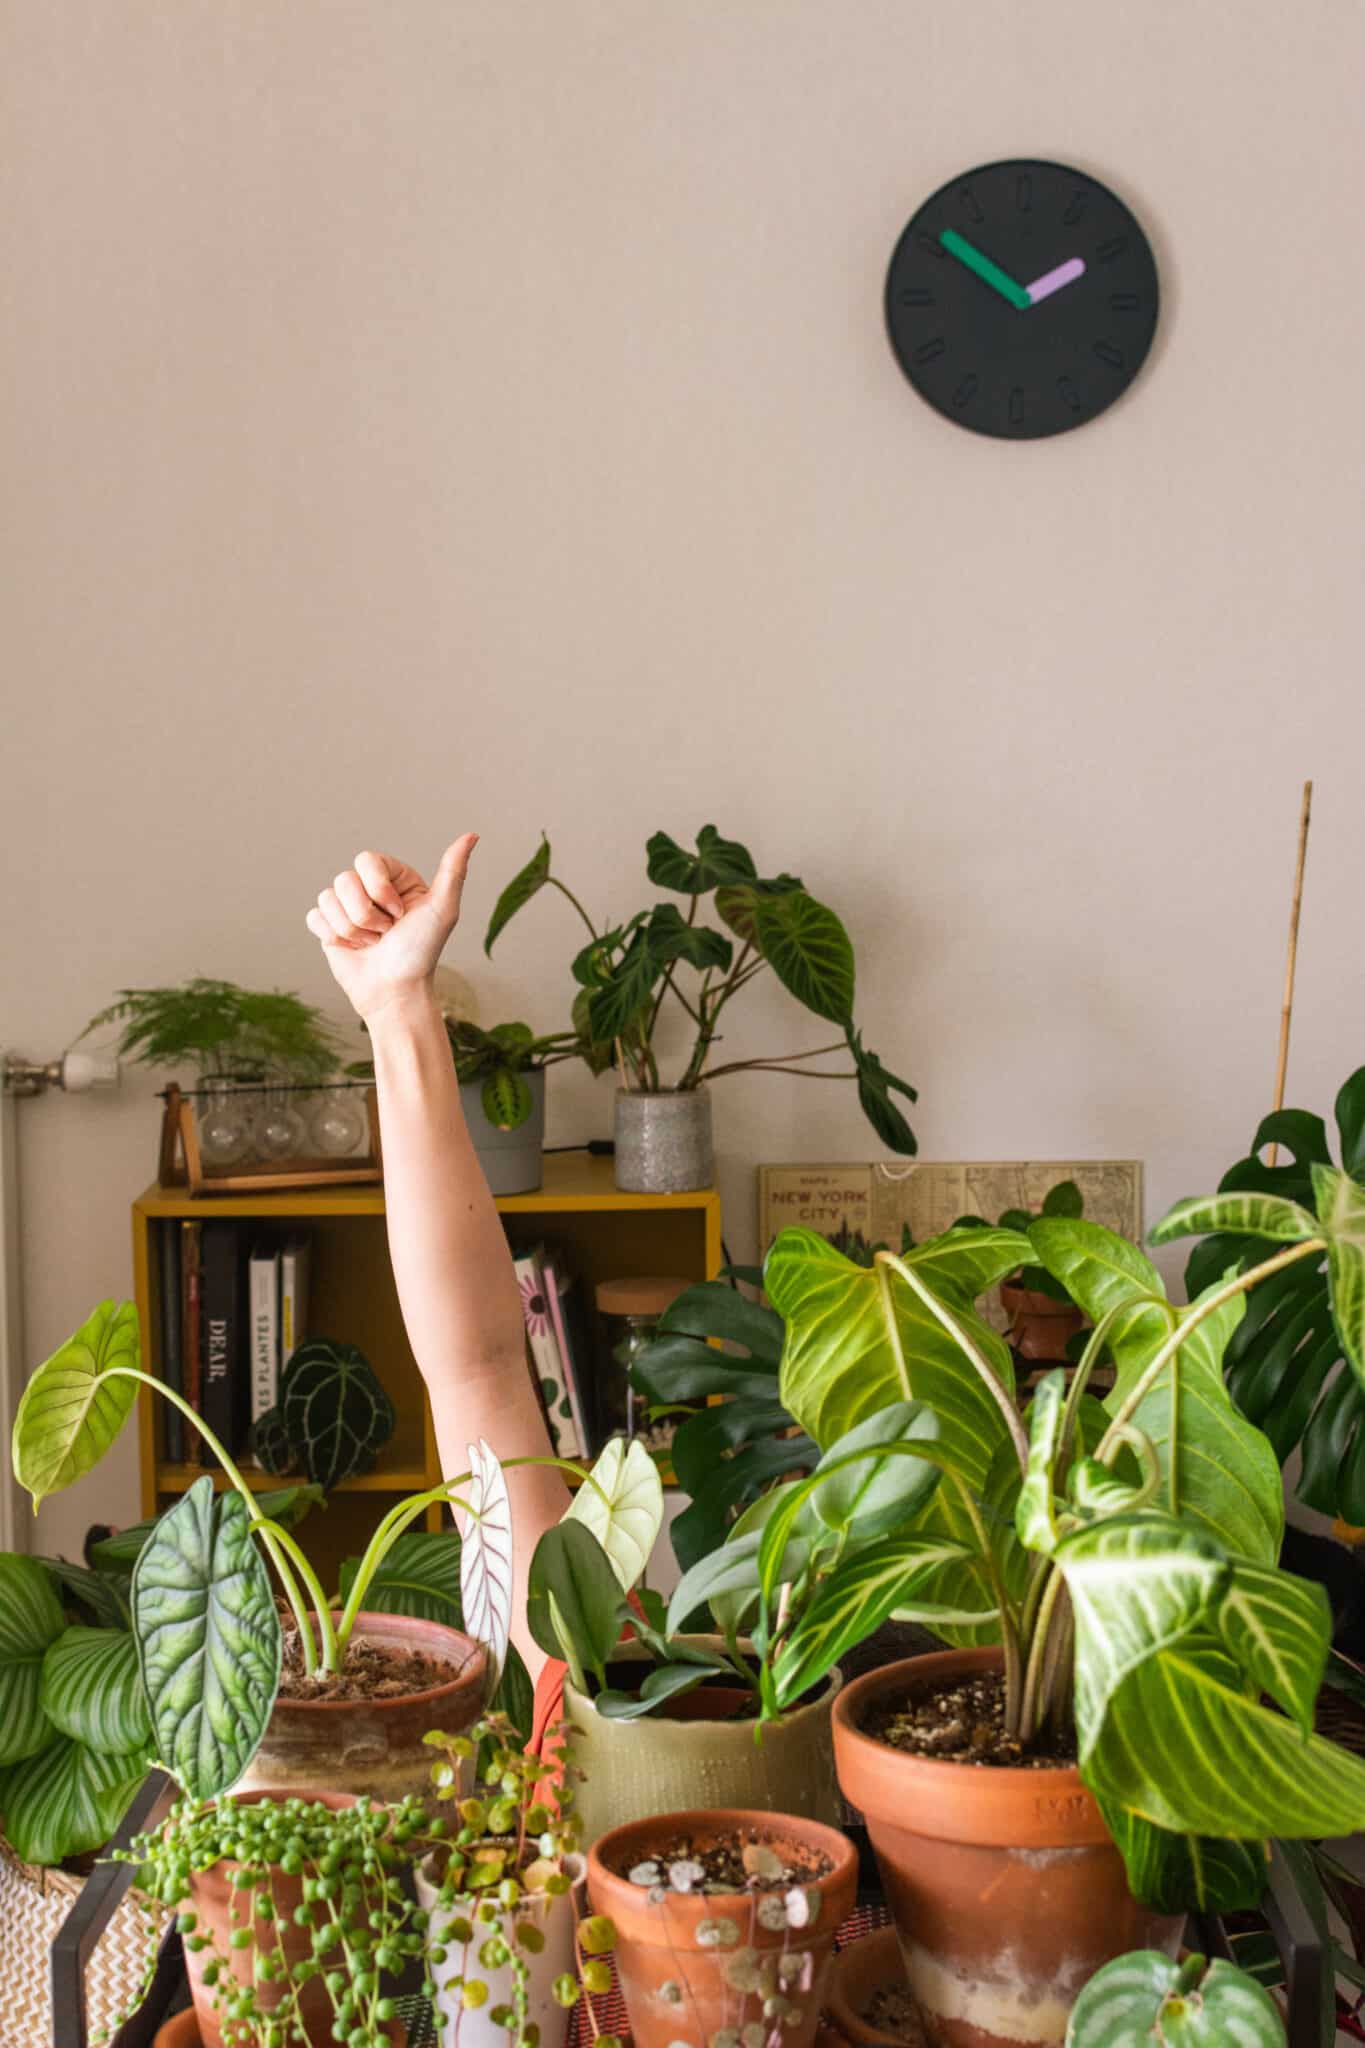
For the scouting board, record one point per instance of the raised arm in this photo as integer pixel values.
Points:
(382, 930)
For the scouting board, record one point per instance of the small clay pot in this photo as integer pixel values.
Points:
(372, 1747)
(1040, 1328)
(1005, 1887)
(858, 1973)
(690, 1964)
(183, 2032)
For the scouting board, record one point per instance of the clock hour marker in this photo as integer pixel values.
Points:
(1125, 302)
(916, 295)
(1067, 392)
(971, 205)
(1077, 206)
(931, 246)
(1108, 353)
(1023, 193)
(1017, 406)
(1115, 246)
(966, 390)
(928, 351)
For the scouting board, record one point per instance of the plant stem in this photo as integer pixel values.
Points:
(775, 1067)
(1239, 1284)
(557, 884)
(969, 1350)
(1028, 1704)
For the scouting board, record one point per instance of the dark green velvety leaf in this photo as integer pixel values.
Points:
(737, 903)
(208, 1637)
(672, 938)
(623, 992)
(92, 1689)
(67, 1800)
(519, 891)
(715, 861)
(336, 1412)
(1186, 1873)
(271, 1443)
(77, 1402)
(419, 1577)
(809, 951)
(31, 1620)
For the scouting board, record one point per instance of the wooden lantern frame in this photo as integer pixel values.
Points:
(181, 1164)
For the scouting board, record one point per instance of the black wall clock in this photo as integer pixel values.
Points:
(1022, 299)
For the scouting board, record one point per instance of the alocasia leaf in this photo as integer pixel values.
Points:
(76, 1403)
(92, 1689)
(624, 1508)
(338, 1415)
(526, 883)
(486, 1587)
(31, 1620)
(208, 1637)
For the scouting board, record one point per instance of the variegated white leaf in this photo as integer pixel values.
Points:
(486, 1561)
(627, 1520)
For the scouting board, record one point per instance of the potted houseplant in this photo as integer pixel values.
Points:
(1145, 2000)
(724, 1923)
(627, 972)
(502, 1092)
(1044, 1322)
(1118, 1558)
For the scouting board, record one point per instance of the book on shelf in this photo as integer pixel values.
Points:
(564, 1296)
(225, 1395)
(548, 1371)
(293, 1298)
(263, 1294)
(172, 1328)
(191, 1331)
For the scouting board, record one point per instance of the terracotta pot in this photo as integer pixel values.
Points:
(867, 1966)
(681, 1979)
(1040, 1328)
(371, 1746)
(555, 1917)
(183, 2032)
(635, 1768)
(1006, 1890)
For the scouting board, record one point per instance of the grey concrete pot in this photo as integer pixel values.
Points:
(663, 1141)
(513, 1161)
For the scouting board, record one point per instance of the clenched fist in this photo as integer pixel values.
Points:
(383, 928)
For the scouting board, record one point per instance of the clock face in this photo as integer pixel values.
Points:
(1021, 299)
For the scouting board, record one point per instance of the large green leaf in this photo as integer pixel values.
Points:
(964, 1263)
(31, 1620)
(92, 1689)
(727, 1580)
(1246, 1212)
(208, 1638)
(889, 1576)
(859, 1338)
(419, 1577)
(67, 1800)
(715, 1309)
(1034, 1520)
(623, 1508)
(76, 1403)
(876, 1492)
(1146, 1998)
(716, 861)
(1226, 1476)
(286, 1505)
(1186, 1873)
(574, 1607)
(525, 884)
(808, 950)
(624, 987)
(1341, 1212)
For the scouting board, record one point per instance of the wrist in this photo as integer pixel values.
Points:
(411, 1006)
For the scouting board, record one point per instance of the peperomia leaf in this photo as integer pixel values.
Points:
(624, 1509)
(716, 861)
(208, 1638)
(1145, 2000)
(92, 1689)
(419, 1576)
(336, 1412)
(574, 1608)
(68, 1800)
(31, 1620)
(523, 886)
(75, 1404)
(486, 1587)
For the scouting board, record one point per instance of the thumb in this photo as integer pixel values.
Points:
(447, 884)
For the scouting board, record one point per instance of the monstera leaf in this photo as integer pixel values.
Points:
(1145, 2000)
(31, 1620)
(208, 1639)
(337, 1414)
(77, 1402)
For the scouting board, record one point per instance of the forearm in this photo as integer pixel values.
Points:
(453, 1269)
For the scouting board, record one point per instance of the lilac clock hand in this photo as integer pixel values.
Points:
(1052, 280)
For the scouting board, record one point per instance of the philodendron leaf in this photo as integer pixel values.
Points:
(808, 950)
(208, 1638)
(1185, 1873)
(1034, 1519)
(336, 1412)
(486, 1588)
(419, 1577)
(893, 1576)
(624, 1509)
(1247, 1213)
(75, 1404)
(574, 1607)
(1146, 1998)
(31, 1620)
(876, 1086)
(963, 1264)
(1341, 1214)
(715, 861)
(92, 1689)
(68, 1800)
(286, 1505)
(519, 891)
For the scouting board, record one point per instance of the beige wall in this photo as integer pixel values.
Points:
(476, 412)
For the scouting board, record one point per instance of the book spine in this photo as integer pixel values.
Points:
(547, 1366)
(172, 1360)
(293, 1299)
(223, 1350)
(192, 1331)
(264, 1313)
(556, 1289)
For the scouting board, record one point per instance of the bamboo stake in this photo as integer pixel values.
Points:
(1287, 1007)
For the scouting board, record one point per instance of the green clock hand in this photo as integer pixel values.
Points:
(989, 273)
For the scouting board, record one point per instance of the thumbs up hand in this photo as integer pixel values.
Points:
(383, 928)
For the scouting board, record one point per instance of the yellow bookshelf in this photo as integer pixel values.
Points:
(352, 1296)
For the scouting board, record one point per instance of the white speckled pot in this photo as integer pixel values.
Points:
(663, 1141)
